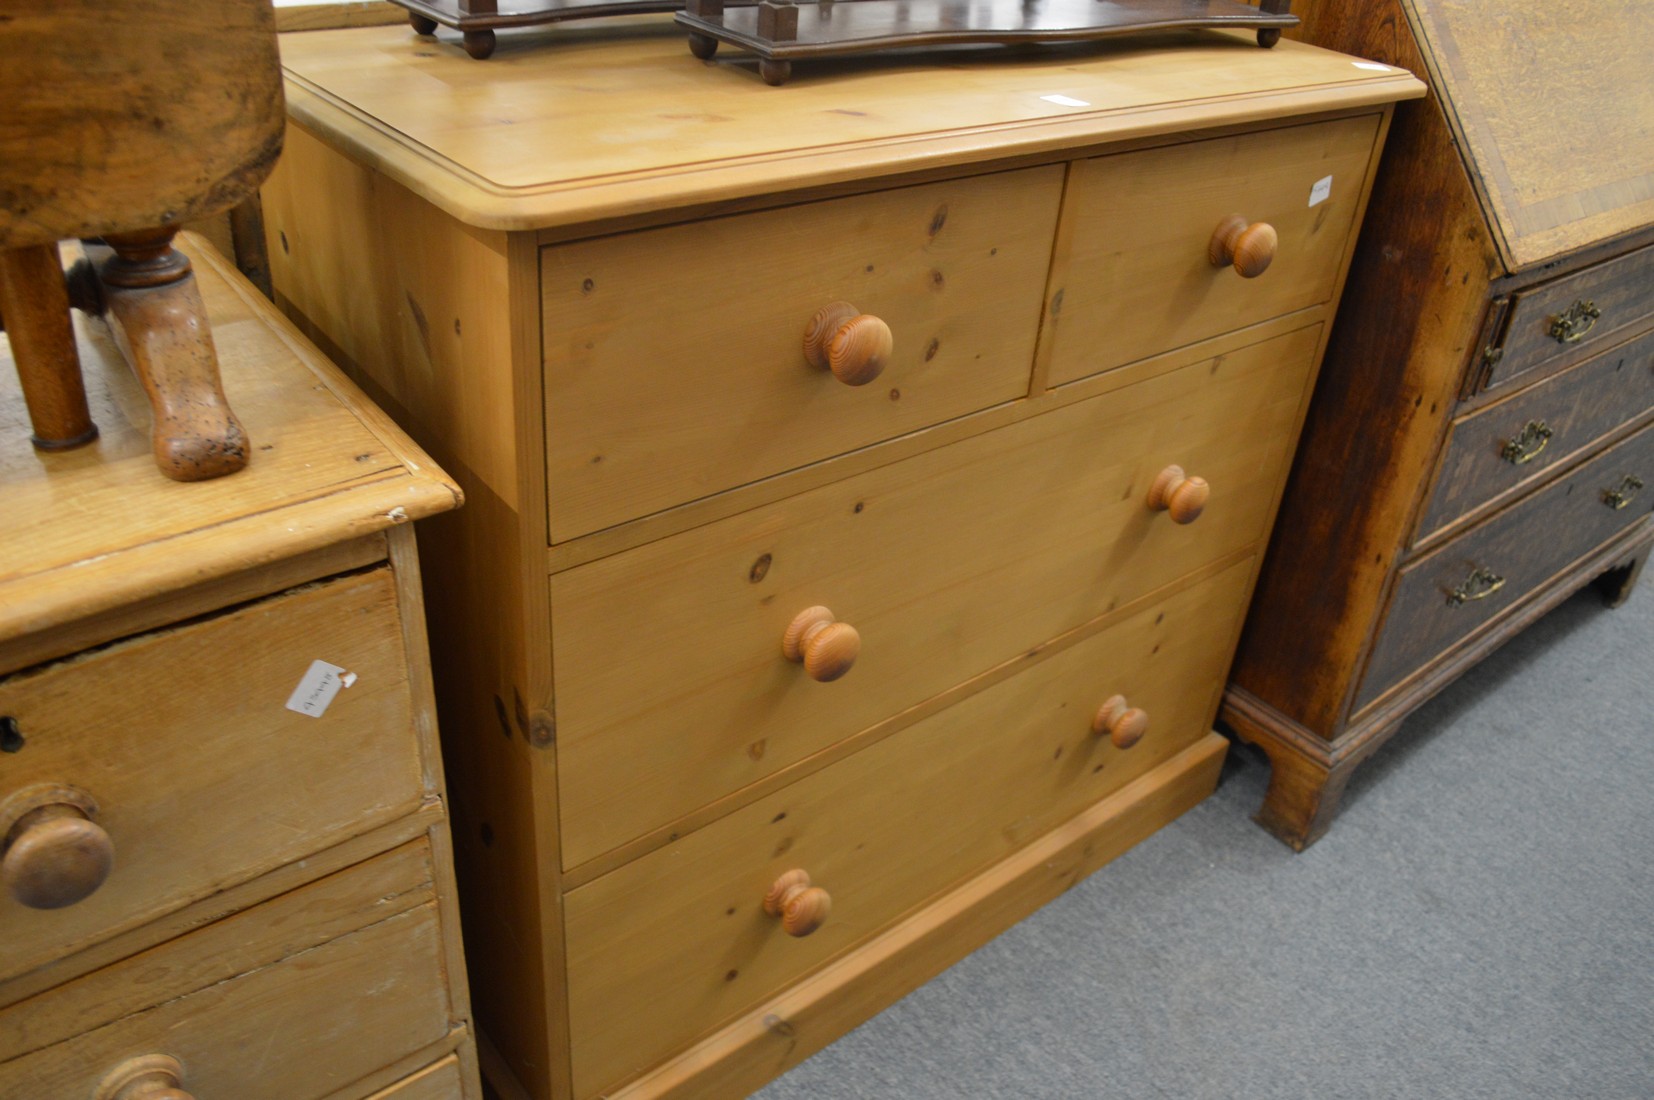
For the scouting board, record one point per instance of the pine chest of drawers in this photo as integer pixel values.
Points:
(865, 482)
(1479, 446)
(215, 884)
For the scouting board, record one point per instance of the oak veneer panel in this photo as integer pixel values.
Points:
(252, 1005)
(183, 739)
(1138, 279)
(955, 269)
(656, 130)
(672, 689)
(883, 831)
(1525, 545)
(1580, 406)
(1561, 144)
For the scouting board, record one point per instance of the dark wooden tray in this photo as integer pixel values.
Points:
(779, 31)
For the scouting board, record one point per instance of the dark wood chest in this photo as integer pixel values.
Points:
(1480, 441)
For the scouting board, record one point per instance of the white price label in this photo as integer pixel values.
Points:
(1321, 192)
(320, 683)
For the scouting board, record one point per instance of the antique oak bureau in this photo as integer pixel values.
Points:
(217, 881)
(1479, 447)
(865, 480)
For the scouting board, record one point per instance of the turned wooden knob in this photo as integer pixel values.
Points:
(1121, 724)
(801, 907)
(854, 345)
(150, 1077)
(1182, 496)
(55, 855)
(1249, 247)
(826, 647)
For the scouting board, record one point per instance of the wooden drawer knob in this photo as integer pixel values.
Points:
(1178, 494)
(55, 854)
(854, 345)
(801, 907)
(151, 1077)
(1121, 724)
(1250, 247)
(826, 647)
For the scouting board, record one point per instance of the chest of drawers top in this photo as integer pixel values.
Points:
(575, 127)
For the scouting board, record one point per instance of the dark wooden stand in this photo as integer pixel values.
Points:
(779, 31)
(476, 20)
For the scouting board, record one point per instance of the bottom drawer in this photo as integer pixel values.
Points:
(293, 999)
(664, 949)
(1443, 597)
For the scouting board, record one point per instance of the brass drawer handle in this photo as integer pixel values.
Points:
(1481, 584)
(1624, 493)
(1533, 438)
(801, 906)
(1571, 326)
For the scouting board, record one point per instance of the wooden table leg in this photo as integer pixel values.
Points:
(35, 305)
(155, 312)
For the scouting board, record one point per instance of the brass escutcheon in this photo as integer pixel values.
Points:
(1532, 439)
(1623, 493)
(1481, 584)
(1570, 327)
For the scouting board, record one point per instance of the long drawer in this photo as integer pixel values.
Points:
(1139, 279)
(1499, 449)
(1447, 595)
(1588, 308)
(441, 1081)
(293, 999)
(672, 687)
(180, 748)
(663, 386)
(670, 945)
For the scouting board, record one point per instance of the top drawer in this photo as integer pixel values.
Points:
(1138, 279)
(1554, 318)
(674, 357)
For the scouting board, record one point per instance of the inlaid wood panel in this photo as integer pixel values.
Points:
(882, 831)
(671, 684)
(1134, 277)
(664, 385)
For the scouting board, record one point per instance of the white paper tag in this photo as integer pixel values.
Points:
(1321, 192)
(316, 690)
(1373, 65)
(1065, 101)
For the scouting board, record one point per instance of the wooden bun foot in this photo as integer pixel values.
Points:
(775, 73)
(479, 44)
(703, 46)
(421, 24)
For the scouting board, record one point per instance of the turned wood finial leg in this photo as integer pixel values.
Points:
(155, 312)
(34, 302)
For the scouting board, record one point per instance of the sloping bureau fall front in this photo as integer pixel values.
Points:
(779, 668)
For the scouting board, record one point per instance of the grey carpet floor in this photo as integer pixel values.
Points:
(1478, 923)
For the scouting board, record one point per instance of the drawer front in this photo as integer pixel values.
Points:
(293, 999)
(1139, 279)
(1497, 449)
(1560, 317)
(673, 944)
(441, 1081)
(181, 744)
(674, 358)
(1445, 596)
(672, 687)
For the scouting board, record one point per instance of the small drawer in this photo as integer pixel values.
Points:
(1501, 448)
(293, 999)
(1555, 319)
(672, 685)
(1139, 278)
(663, 386)
(1447, 595)
(441, 1081)
(676, 942)
(176, 751)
